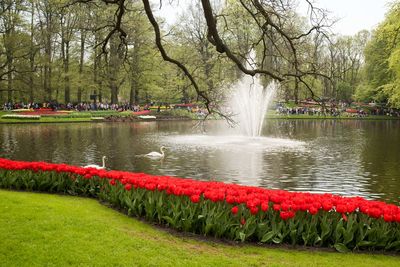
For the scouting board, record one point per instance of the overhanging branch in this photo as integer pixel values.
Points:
(165, 56)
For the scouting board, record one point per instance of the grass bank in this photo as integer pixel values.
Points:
(45, 230)
(45, 120)
(178, 114)
(316, 117)
(71, 117)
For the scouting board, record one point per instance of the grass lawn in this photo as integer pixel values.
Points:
(316, 117)
(44, 120)
(86, 117)
(53, 230)
(72, 117)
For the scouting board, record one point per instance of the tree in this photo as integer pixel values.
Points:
(68, 22)
(12, 48)
(382, 58)
(271, 21)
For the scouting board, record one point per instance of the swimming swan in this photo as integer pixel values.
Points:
(156, 154)
(97, 166)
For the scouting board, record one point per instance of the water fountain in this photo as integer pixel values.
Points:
(249, 103)
(247, 106)
(240, 151)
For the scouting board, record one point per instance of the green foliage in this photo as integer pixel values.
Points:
(38, 34)
(382, 57)
(51, 182)
(326, 229)
(80, 231)
(51, 50)
(181, 113)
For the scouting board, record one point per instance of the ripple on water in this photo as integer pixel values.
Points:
(234, 142)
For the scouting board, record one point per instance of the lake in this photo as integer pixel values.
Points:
(347, 157)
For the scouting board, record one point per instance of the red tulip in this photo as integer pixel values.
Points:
(128, 187)
(195, 198)
(235, 210)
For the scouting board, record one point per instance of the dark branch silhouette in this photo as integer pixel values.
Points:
(271, 18)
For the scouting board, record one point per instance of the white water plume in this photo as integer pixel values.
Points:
(249, 102)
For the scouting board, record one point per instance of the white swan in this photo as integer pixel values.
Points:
(97, 166)
(156, 154)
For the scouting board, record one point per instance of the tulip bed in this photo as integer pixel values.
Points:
(222, 210)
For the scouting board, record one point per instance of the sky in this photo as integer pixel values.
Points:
(353, 15)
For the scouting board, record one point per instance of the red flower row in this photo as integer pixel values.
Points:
(254, 198)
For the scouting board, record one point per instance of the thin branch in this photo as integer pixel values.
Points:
(221, 47)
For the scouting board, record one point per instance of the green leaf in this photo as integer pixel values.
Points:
(267, 237)
(251, 229)
(293, 236)
(341, 248)
(277, 240)
(209, 227)
(169, 220)
(242, 236)
(395, 245)
(365, 243)
(317, 240)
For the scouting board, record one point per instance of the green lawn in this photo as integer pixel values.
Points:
(53, 230)
(316, 117)
(45, 120)
(86, 117)
(72, 117)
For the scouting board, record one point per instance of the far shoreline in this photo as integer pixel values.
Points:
(161, 117)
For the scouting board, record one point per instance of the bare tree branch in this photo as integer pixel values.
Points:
(165, 56)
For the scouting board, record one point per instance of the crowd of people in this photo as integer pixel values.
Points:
(338, 110)
(342, 109)
(83, 106)
(308, 111)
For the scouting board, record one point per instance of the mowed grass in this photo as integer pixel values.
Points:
(328, 117)
(72, 117)
(44, 120)
(53, 230)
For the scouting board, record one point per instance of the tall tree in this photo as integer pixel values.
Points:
(68, 23)
(10, 16)
(382, 58)
(47, 19)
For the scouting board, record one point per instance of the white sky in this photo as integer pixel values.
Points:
(353, 15)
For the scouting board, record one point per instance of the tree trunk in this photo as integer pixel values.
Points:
(114, 91)
(101, 91)
(296, 91)
(81, 62)
(67, 88)
(9, 77)
(114, 66)
(48, 52)
(9, 47)
(32, 57)
(65, 58)
(134, 75)
(133, 93)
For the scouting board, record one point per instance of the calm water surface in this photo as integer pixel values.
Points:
(345, 157)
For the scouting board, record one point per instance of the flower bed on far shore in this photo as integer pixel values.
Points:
(222, 210)
(21, 117)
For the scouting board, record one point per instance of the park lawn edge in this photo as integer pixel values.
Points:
(273, 117)
(47, 120)
(82, 231)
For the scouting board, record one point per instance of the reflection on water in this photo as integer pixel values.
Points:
(345, 157)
